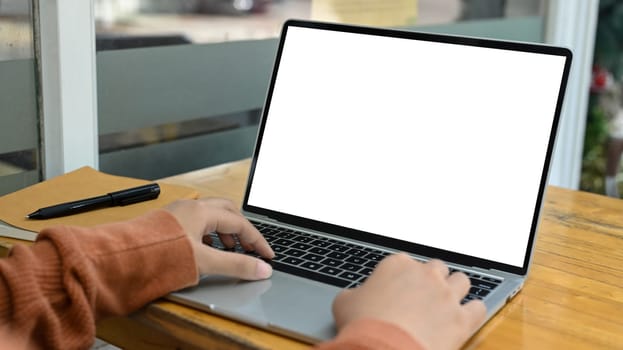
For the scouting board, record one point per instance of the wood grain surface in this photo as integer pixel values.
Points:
(572, 299)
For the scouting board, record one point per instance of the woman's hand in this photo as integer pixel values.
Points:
(201, 217)
(423, 299)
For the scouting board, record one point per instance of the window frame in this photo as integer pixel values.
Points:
(65, 54)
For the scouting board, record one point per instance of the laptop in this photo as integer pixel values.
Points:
(375, 141)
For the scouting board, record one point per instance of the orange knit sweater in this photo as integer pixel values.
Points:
(53, 292)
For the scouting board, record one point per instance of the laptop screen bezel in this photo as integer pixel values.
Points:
(392, 243)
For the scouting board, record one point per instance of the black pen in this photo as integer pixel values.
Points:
(123, 197)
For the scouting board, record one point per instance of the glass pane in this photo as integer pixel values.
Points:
(134, 23)
(200, 68)
(19, 135)
(603, 142)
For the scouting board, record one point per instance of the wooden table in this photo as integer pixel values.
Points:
(573, 298)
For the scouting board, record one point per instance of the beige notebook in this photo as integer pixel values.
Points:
(79, 184)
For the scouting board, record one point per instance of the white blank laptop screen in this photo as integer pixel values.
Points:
(432, 143)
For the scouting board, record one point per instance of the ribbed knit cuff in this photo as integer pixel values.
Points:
(129, 263)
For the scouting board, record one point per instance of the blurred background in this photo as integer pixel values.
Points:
(180, 83)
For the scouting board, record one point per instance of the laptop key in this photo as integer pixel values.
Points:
(331, 270)
(311, 265)
(357, 252)
(313, 257)
(332, 262)
(479, 291)
(375, 257)
(297, 271)
(269, 238)
(286, 235)
(371, 264)
(350, 275)
(292, 260)
(285, 242)
(278, 248)
(350, 267)
(366, 271)
(303, 239)
(301, 246)
(356, 260)
(337, 255)
(339, 248)
(492, 279)
(320, 251)
(320, 243)
(294, 252)
(482, 284)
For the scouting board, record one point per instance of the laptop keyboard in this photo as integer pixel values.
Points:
(338, 263)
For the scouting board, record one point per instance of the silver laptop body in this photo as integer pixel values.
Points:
(390, 141)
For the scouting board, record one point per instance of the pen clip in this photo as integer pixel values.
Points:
(141, 198)
(135, 195)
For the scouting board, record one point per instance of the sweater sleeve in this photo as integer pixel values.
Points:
(370, 334)
(54, 291)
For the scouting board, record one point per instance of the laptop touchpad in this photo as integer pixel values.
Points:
(281, 302)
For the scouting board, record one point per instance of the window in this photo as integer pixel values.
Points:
(181, 83)
(19, 130)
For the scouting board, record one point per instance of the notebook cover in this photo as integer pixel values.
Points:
(82, 183)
